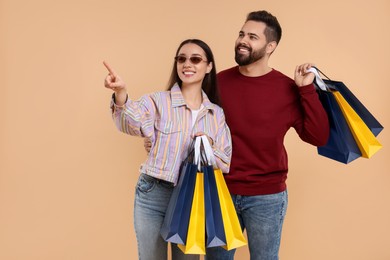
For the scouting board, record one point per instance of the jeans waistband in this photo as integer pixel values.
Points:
(157, 180)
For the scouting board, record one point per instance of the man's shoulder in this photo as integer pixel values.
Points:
(228, 71)
(280, 77)
(280, 74)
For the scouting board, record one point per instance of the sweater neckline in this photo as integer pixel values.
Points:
(257, 77)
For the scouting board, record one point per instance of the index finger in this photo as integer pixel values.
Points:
(112, 72)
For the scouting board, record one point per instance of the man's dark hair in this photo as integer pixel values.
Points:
(273, 31)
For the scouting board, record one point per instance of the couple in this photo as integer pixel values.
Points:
(260, 105)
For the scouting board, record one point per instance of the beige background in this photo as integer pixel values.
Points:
(67, 175)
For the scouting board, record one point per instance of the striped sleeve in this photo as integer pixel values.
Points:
(136, 117)
(223, 144)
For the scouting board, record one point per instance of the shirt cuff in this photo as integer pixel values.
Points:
(114, 105)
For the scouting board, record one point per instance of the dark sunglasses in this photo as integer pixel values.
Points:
(193, 59)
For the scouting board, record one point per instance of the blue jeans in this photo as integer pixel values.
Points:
(151, 201)
(262, 216)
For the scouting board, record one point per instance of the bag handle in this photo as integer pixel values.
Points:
(209, 151)
(320, 83)
(321, 72)
(197, 159)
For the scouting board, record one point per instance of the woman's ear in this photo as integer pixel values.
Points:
(209, 67)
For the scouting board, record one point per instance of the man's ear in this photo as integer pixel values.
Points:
(271, 46)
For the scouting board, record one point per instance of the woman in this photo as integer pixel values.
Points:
(170, 119)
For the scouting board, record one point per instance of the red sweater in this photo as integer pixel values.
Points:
(259, 112)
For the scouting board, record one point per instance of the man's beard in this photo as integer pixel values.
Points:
(243, 60)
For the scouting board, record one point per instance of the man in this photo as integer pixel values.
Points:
(260, 105)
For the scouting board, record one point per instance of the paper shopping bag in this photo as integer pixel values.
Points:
(327, 84)
(232, 227)
(365, 139)
(215, 233)
(341, 145)
(195, 243)
(175, 225)
(371, 122)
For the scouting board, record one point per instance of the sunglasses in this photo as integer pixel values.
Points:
(193, 59)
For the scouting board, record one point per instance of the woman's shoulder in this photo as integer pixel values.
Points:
(161, 93)
(157, 95)
(218, 110)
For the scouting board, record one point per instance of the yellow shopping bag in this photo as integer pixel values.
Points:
(365, 139)
(196, 235)
(233, 232)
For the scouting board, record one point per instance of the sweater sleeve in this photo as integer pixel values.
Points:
(312, 125)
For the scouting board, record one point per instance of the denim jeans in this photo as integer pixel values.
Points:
(151, 201)
(262, 216)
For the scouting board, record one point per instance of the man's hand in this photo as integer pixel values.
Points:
(302, 76)
(147, 145)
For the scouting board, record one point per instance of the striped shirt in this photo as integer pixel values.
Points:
(166, 120)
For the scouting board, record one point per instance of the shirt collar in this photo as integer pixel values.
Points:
(178, 99)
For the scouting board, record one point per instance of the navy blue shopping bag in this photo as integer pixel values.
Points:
(341, 145)
(215, 233)
(175, 225)
(371, 122)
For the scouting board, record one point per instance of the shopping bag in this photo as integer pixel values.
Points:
(365, 139)
(341, 145)
(195, 243)
(211, 189)
(175, 225)
(215, 234)
(369, 145)
(231, 224)
(232, 227)
(371, 122)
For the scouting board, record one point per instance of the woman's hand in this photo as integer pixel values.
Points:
(208, 137)
(115, 83)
